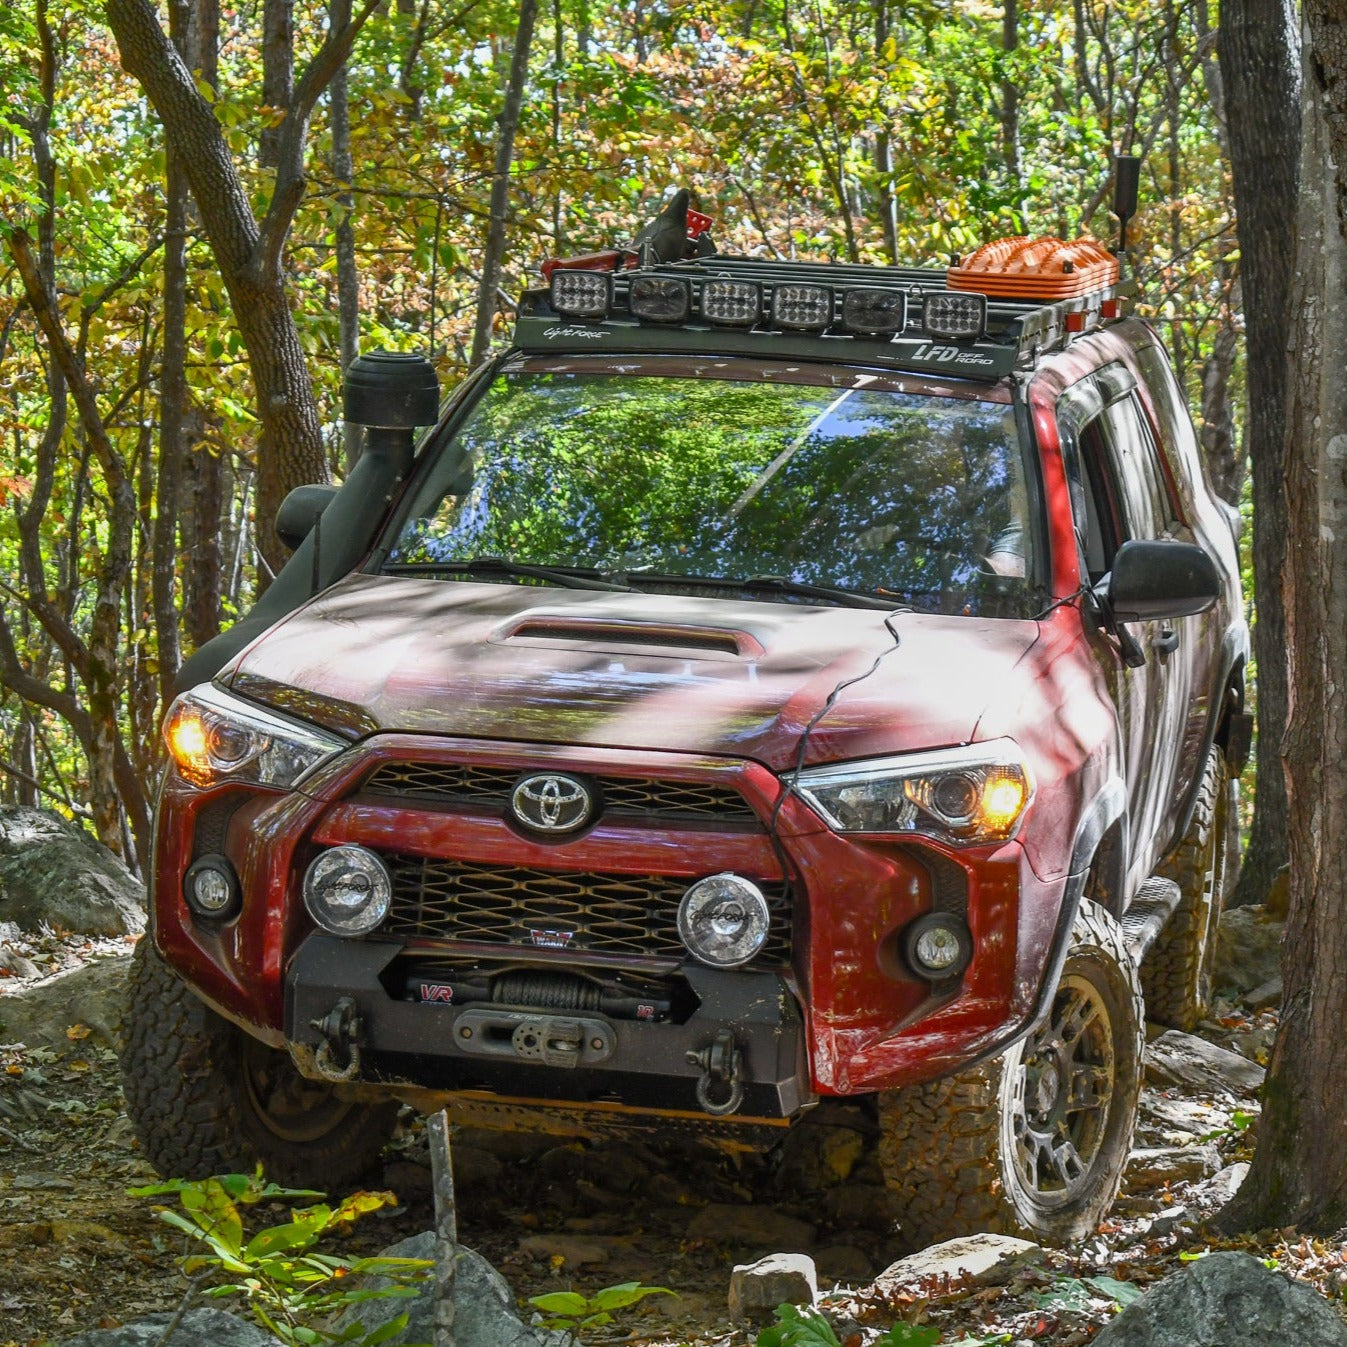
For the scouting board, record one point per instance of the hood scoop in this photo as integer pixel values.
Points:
(632, 637)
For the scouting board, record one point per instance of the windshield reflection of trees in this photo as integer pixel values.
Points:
(873, 491)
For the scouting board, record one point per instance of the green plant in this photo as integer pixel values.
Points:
(1240, 1121)
(572, 1311)
(284, 1281)
(1075, 1293)
(796, 1327)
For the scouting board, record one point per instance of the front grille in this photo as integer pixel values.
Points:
(620, 796)
(633, 915)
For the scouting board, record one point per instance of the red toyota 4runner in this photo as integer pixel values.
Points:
(765, 682)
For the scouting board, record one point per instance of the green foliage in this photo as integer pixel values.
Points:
(796, 1327)
(1075, 1293)
(571, 1311)
(1240, 1122)
(285, 1282)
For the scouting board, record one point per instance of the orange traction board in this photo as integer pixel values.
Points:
(1044, 268)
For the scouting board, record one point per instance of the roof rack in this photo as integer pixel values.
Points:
(759, 307)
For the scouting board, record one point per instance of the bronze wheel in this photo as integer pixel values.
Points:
(1034, 1142)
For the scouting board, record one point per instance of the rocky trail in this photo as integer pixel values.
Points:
(78, 1253)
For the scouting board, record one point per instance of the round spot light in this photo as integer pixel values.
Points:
(938, 945)
(723, 920)
(347, 890)
(211, 888)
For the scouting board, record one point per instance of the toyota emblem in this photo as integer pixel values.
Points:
(551, 803)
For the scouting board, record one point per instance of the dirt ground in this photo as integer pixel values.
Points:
(77, 1252)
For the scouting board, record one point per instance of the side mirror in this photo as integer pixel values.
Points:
(1152, 580)
(299, 512)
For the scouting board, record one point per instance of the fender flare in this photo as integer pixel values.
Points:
(1107, 811)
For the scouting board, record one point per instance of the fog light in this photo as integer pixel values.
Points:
(347, 890)
(938, 945)
(723, 920)
(211, 887)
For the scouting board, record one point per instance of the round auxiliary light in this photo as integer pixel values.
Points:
(347, 890)
(938, 945)
(723, 920)
(211, 887)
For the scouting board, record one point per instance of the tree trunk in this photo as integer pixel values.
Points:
(1220, 454)
(500, 185)
(278, 75)
(248, 253)
(1299, 1171)
(172, 395)
(1260, 68)
(1010, 101)
(348, 276)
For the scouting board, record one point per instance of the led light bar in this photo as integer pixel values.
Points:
(732, 303)
(660, 299)
(873, 312)
(955, 314)
(582, 294)
(806, 307)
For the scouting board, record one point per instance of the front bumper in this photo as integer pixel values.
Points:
(843, 1016)
(581, 1056)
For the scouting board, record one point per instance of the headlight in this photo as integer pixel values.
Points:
(213, 736)
(973, 794)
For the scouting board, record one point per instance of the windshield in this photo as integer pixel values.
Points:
(643, 480)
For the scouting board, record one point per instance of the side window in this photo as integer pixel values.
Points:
(1119, 490)
(1149, 508)
(1104, 523)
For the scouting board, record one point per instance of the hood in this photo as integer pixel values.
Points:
(593, 668)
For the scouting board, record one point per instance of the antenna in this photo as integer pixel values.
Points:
(1126, 178)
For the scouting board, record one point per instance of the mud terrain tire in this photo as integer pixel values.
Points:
(1034, 1142)
(204, 1098)
(1176, 973)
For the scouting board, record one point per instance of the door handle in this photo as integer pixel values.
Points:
(1167, 641)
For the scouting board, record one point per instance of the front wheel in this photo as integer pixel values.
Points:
(205, 1098)
(1034, 1142)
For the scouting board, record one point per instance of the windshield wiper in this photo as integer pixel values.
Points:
(770, 584)
(499, 566)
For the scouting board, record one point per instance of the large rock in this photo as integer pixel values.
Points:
(977, 1260)
(756, 1289)
(195, 1328)
(1248, 950)
(52, 873)
(484, 1305)
(1226, 1300)
(39, 1015)
(1156, 1166)
(1176, 1058)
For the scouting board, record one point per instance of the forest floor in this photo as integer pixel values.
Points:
(78, 1252)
